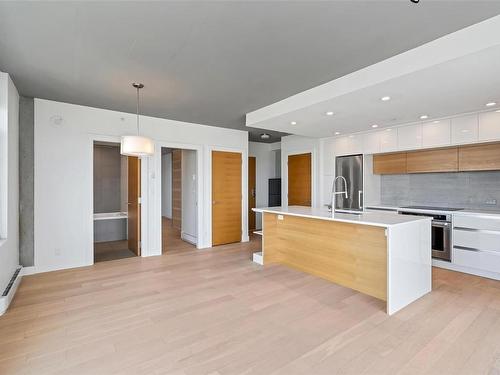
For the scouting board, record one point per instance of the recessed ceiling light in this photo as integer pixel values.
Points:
(337, 133)
(329, 113)
(389, 130)
(490, 104)
(294, 123)
(385, 98)
(423, 117)
(374, 126)
(435, 122)
(265, 136)
(498, 111)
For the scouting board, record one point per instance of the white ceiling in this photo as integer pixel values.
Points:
(461, 85)
(209, 62)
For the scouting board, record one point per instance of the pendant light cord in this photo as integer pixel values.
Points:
(137, 110)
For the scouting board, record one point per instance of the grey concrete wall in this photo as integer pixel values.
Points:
(26, 181)
(466, 189)
(107, 179)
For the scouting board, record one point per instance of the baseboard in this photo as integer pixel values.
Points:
(25, 271)
(258, 258)
(469, 270)
(189, 238)
(7, 299)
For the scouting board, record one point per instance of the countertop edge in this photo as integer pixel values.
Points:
(370, 223)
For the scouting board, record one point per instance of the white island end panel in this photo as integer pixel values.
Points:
(409, 267)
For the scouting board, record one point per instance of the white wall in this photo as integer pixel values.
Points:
(9, 120)
(189, 196)
(166, 185)
(265, 169)
(64, 135)
(324, 166)
(294, 144)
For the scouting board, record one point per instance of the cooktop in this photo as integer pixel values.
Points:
(431, 208)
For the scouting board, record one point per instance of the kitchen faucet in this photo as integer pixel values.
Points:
(335, 193)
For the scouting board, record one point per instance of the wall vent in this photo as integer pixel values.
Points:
(11, 282)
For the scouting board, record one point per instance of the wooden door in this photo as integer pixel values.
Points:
(134, 205)
(177, 189)
(299, 180)
(226, 197)
(252, 175)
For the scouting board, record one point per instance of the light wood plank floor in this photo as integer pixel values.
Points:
(111, 250)
(215, 312)
(171, 238)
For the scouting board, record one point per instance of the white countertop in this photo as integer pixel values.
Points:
(375, 218)
(467, 211)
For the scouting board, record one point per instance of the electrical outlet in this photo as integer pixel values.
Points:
(57, 252)
(280, 217)
(490, 202)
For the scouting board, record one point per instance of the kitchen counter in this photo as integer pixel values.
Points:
(381, 254)
(471, 211)
(375, 218)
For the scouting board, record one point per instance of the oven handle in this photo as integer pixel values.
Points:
(441, 224)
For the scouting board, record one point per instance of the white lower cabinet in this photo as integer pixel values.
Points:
(476, 243)
(480, 260)
(477, 239)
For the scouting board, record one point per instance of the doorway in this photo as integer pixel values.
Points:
(299, 180)
(179, 197)
(116, 203)
(226, 197)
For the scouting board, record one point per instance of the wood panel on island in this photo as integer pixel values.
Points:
(478, 157)
(396, 269)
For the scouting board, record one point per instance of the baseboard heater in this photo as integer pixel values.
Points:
(9, 291)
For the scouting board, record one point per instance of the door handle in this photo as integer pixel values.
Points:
(359, 198)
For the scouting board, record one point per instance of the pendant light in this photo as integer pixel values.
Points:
(135, 145)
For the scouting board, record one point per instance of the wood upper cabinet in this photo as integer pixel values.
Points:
(389, 163)
(437, 160)
(479, 157)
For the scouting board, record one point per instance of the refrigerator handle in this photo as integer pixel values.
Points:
(359, 199)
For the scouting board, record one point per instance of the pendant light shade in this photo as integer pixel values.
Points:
(136, 145)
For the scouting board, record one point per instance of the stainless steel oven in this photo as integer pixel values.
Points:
(441, 233)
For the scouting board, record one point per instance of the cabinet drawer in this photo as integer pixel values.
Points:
(477, 222)
(477, 239)
(483, 260)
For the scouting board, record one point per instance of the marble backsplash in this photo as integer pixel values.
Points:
(462, 189)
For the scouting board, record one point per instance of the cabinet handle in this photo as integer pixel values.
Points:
(473, 249)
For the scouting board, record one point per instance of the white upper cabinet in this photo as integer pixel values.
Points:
(436, 133)
(389, 140)
(349, 145)
(410, 137)
(489, 126)
(371, 143)
(464, 129)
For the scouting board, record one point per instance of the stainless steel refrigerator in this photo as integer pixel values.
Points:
(351, 168)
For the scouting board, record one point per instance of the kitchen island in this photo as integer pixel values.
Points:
(381, 254)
